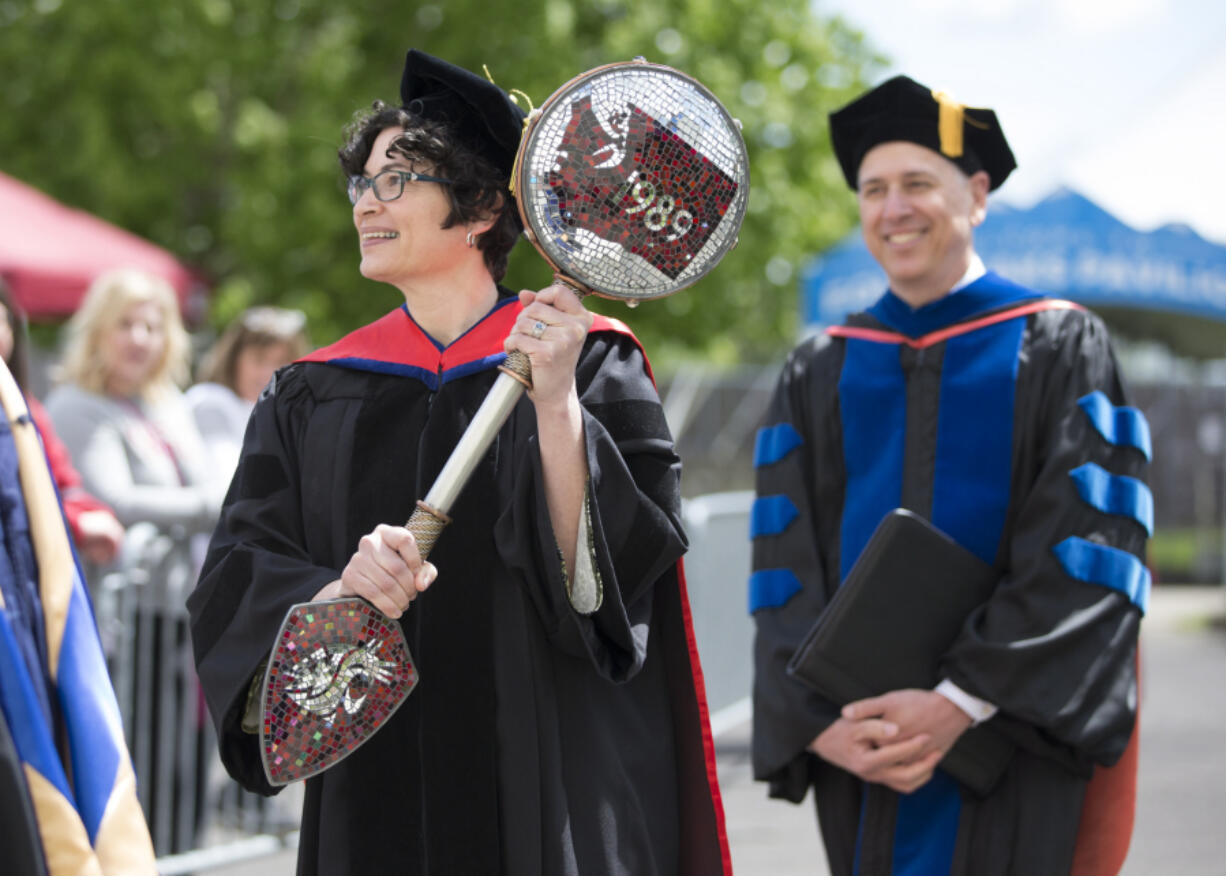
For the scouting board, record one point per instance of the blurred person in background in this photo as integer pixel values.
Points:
(231, 376)
(96, 531)
(119, 410)
(235, 371)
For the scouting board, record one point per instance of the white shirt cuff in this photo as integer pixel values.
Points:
(976, 709)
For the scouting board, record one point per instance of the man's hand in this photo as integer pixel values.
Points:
(386, 571)
(916, 713)
(873, 750)
(896, 739)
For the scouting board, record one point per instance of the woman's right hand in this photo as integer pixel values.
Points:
(99, 536)
(386, 571)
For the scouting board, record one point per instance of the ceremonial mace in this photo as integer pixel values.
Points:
(632, 181)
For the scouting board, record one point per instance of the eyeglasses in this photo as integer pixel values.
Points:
(388, 185)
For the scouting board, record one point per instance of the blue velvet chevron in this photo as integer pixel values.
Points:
(1107, 567)
(1115, 494)
(1121, 426)
(771, 515)
(771, 588)
(773, 443)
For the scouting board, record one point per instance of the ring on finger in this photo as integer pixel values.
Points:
(538, 328)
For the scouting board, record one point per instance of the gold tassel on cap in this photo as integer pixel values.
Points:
(949, 124)
(514, 94)
(952, 116)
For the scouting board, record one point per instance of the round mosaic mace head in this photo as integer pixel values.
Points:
(632, 180)
(338, 672)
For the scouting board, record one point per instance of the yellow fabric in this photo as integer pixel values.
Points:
(123, 839)
(65, 843)
(949, 124)
(51, 547)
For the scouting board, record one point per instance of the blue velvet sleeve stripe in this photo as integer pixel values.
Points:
(1105, 566)
(1115, 494)
(1123, 426)
(771, 515)
(771, 588)
(774, 443)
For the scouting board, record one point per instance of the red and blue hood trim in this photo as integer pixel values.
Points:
(396, 344)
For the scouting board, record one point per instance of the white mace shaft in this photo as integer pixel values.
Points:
(474, 442)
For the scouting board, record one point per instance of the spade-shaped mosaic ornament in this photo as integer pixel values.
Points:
(338, 672)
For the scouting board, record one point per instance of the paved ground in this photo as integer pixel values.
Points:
(1181, 817)
(1181, 812)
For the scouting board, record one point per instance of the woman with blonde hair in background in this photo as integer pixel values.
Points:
(234, 372)
(119, 410)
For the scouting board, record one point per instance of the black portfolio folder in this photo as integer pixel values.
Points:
(889, 624)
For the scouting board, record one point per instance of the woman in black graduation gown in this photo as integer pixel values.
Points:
(558, 727)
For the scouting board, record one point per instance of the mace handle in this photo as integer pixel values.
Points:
(430, 516)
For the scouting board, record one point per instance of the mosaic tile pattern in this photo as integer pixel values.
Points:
(634, 180)
(339, 670)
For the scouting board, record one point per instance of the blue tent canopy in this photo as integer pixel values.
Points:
(1168, 284)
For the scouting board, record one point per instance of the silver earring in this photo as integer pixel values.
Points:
(470, 240)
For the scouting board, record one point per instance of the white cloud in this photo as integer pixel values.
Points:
(985, 9)
(1167, 166)
(1097, 17)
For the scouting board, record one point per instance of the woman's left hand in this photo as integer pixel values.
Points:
(551, 330)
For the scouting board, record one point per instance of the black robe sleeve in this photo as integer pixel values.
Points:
(1053, 651)
(634, 505)
(787, 716)
(256, 568)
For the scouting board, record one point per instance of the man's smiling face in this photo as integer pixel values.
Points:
(917, 213)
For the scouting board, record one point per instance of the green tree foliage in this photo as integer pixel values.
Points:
(211, 127)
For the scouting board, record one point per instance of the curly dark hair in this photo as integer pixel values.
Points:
(478, 188)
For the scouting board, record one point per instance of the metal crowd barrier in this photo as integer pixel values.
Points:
(198, 817)
(717, 575)
(201, 819)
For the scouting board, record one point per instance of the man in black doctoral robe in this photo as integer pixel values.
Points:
(999, 415)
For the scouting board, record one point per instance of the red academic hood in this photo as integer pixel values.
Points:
(50, 253)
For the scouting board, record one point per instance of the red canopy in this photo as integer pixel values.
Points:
(50, 253)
